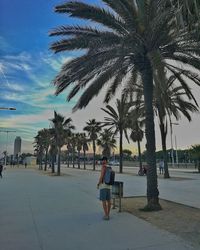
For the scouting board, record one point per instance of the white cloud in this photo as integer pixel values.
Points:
(23, 56)
(55, 62)
(15, 87)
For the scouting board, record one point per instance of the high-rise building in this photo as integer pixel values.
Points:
(17, 146)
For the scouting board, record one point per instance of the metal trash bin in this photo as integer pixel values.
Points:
(117, 189)
(117, 192)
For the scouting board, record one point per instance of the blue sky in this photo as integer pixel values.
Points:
(27, 67)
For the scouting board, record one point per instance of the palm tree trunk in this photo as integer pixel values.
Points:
(120, 151)
(52, 164)
(84, 159)
(45, 166)
(68, 159)
(139, 153)
(58, 163)
(73, 154)
(152, 184)
(163, 138)
(79, 159)
(40, 164)
(94, 153)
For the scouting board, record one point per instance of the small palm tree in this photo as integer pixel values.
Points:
(107, 142)
(72, 143)
(68, 130)
(79, 145)
(59, 124)
(118, 121)
(85, 148)
(39, 149)
(93, 128)
(45, 140)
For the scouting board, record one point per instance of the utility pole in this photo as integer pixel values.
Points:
(7, 131)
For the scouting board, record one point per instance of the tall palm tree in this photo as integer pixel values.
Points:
(59, 124)
(137, 36)
(118, 121)
(169, 100)
(93, 128)
(107, 142)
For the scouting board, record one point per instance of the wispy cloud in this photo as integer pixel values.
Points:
(15, 87)
(55, 62)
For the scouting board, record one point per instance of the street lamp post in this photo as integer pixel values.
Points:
(172, 149)
(5, 108)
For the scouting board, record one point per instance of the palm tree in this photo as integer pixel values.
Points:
(79, 145)
(69, 127)
(59, 124)
(45, 140)
(169, 100)
(139, 37)
(72, 143)
(118, 121)
(93, 128)
(69, 150)
(85, 147)
(107, 142)
(39, 149)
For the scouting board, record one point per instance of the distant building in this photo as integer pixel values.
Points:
(17, 146)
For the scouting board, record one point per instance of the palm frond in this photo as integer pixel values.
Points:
(96, 86)
(111, 111)
(93, 13)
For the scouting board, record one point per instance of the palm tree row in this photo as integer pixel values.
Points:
(128, 116)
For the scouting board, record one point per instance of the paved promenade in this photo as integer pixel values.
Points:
(40, 212)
